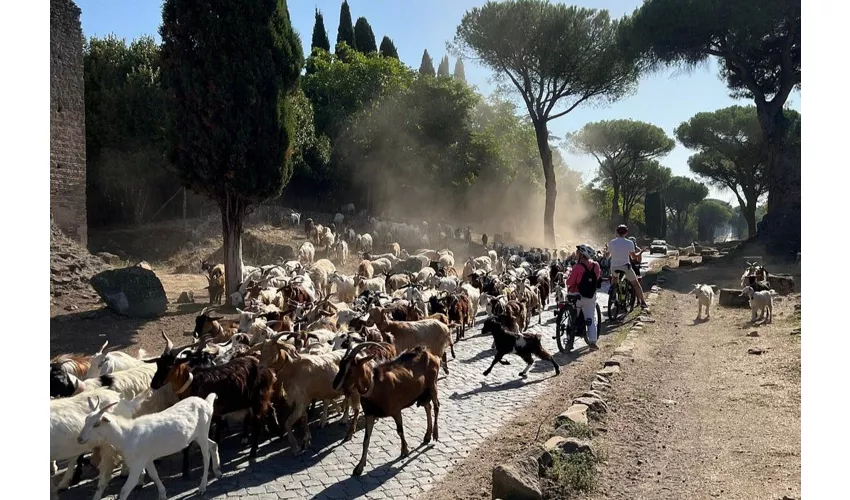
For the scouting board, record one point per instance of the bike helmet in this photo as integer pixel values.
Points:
(587, 251)
(633, 239)
(622, 229)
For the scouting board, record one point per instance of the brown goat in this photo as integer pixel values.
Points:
(387, 388)
(365, 270)
(239, 384)
(212, 327)
(515, 316)
(415, 314)
(458, 311)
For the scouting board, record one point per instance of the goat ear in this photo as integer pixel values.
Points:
(92, 404)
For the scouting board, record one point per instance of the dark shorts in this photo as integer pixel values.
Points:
(636, 268)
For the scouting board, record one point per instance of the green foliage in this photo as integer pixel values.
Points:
(573, 472)
(443, 69)
(388, 48)
(311, 153)
(127, 170)
(427, 65)
(626, 151)
(364, 39)
(757, 42)
(681, 196)
(712, 215)
(731, 153)
(459, 73)
(320, 34)
(230, 128)
(345, 31)
(343, 83)
(553, 54)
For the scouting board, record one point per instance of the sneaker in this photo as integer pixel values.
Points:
(592, 347)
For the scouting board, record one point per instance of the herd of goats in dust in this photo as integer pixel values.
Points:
(379, 346)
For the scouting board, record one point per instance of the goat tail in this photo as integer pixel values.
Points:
(211, 397)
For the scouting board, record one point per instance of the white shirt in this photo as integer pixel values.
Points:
(620, 248)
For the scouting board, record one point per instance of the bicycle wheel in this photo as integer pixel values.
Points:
(631, 298)
(571, 330)
(612, 306)
(562, 324)
(598, 322)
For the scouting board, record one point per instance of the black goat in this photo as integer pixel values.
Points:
(521, 344)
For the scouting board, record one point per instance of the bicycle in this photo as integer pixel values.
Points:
(621, 297)
(570, 323)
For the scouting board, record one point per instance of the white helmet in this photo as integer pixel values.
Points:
(587, 251)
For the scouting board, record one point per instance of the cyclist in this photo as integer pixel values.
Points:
(584, 281)
(637, 259)
(623, 251)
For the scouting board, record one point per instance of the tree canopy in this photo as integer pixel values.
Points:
(345, 31)
(712, 215)
(681, 196)
(758, 45)
(388, 48)
(557, 57)
(459, 72)
(731, 154)
(364, 39)
(230, 125)
(320, 34)
(427, 65)
(624, 150)
(443, 69)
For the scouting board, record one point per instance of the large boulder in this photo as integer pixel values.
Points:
(731, 297)
(518, 479)
(131, 291)
(782, 283)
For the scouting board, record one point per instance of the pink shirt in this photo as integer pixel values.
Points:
(578, 271)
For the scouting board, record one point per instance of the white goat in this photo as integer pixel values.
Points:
(365, 243)
(705, 297)
(373, 284)
(128, 383)
(148, 437)
(67, 418)
(345, 287)
(338, 218)
(474, 298)
(103, 363)
(341, 251)
(447, 284)
(760, 301)
(306, 253)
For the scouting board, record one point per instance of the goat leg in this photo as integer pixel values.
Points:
(496, 359)
(186, 461)
(256, 431)
(445, 363)
(399, 428)
(430, 429)
(150, 468)
(370, 422)
(529, 361)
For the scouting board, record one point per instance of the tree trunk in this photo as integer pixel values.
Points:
(750, 214)
(615, 205)
(542, 133)
(782, 222)
(233, 213)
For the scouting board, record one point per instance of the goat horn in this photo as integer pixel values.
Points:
(102, 348)
(359, 347)
(168, 344)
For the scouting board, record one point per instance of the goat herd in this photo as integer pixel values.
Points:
(379, 347)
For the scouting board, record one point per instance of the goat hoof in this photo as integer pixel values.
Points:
(522, 375)
(486, 373)
(505, 362)
(357, 470)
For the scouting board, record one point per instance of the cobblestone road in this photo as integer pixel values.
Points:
(472, 408)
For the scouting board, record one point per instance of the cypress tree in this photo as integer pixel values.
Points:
(363, 36)
(345, 32)
(320, 34)
(460, 74)
(427, 66)
(443, 69)
(388, 48)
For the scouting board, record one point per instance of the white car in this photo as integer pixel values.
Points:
(658, 246)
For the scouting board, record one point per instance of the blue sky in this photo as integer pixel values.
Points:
(664, 99)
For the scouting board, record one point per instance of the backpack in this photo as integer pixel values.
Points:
(588, 284)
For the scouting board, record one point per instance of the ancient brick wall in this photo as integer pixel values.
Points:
(67, 121)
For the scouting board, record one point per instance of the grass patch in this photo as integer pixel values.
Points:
(573, 472)
(575, 429)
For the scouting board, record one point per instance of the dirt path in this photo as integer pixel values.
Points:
(696, 416)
